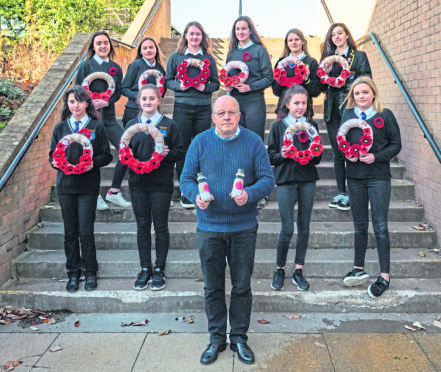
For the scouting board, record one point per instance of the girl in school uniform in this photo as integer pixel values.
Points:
(339, 41)
(296, 45)
(148, 57)
(247, 46)
(369, 179)
(151, 193)
(78, 193)
(192, 106)
(100, 59)
(295, 181)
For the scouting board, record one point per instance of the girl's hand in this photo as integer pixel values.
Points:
(54, 163)
(201, 87)
(367, 158)
(284, 150)
(89, 167)
(306, 77)
(229, 89)
(243, 88)
(183, 87)
(100, 103)
(165, 150)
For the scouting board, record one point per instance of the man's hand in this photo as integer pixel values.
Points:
(241, 199)
(203, 204)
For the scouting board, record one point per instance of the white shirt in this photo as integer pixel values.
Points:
(83, 122)
(300, 56)
(227, 138)
(155, 118)
(290, 120)
(187, 51)
(99, 60)
(345, 53)
(148, 64)
(250, 43)
(370, 112)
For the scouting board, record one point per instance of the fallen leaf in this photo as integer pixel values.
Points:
(164, 332)
(421, 254)
(40, 225)
(437, 323)
(410, 328)
(126, 324)
(292, 316)
(319, 344)
(422, 227)
(56, 348)
(34, 328)
(263, 321)
(190, 319)
(9, 366)
(418, 325)
(77, 323)
(404, 332)
(397, 358)
(143, 323)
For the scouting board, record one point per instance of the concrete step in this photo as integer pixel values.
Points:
(399, 211)
(186, 295)
(183, 236)
(320, 263)
(326, 190)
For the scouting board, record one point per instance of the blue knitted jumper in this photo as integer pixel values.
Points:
(219, 161)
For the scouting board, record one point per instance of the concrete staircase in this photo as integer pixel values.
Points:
(416, 272)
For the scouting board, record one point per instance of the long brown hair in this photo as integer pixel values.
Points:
(254, 36)
(299, 33)
(205, 43)
(158, 58)
(295, 89)
(91, 52)
(81, 95)
(378, 106)
(328, 47)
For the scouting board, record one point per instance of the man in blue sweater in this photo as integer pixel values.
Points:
(227, 227)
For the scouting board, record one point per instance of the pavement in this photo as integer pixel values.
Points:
(286, 342)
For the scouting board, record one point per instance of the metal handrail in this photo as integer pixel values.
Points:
(328, 13)
(37, 129)
(419, 119)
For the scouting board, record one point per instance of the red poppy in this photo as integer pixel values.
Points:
(184, 63)
(87, 152)
(85, 132)
(242, 75)
(282, 80)
(366, 140)
(340, 138)
(162, 81)
(202, 79)
(113, 71)
(354, 150)
(316, 149)
(298, 79)
(186, 82)
(304, 161)
(379, 123)
(228, 81)
(195, 82)
(69, 169)
(205, 72)
(317, 139)
(321, 72)
(182, 67)
(86, 160)
(60, 146)
(161, 90)
(105, 97)
(206, 62)
(144, 82)
(367, 131)
(282, 73)
(246, 56)
(292, 152)
(287, 142)
(236, 80)
(300, 155)
(343, 145)
(95, 96)
(303, 136)
(364, 150)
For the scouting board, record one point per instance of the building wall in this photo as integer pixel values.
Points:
(409, 32)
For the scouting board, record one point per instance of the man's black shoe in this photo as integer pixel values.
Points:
(244, 352)
(91, 283)
(74, 281)
(210, 353)
(299, 280)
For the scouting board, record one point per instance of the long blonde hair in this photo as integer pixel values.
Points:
(205, 43)
(378, 106)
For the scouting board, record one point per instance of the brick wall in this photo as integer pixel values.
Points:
(409, 32)
(29, 186)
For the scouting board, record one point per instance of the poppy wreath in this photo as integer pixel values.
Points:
(326, 66)
(304, 131)
(202, 78)
(103, 76)
(59, 155)
(235, 79)
(160, 79)
(126, 154)
(300, 71)
(353, 151)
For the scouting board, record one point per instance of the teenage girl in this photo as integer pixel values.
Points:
(151, 193)
(148, 57)
(100, 58)
(192, 109)
(78, 193)
(339, 41)
(294, 182)
(369, 180)
(296, 46)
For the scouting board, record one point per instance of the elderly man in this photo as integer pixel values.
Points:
(227, 226)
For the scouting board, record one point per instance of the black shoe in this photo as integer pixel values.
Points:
(299, 280)
(378, 288)
(210, 353)
(261, 203)
(344, 204)
(74, 281)
(91, 283)
(158, 281)
(244, 352)
(187, 204)
(335, 201)
(278, 279)
(355, 277)
(143, 279)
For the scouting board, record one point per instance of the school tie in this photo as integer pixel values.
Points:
(77, 126)
(148, 121)
(363, 116)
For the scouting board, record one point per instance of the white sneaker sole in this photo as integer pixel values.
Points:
(343, 208)
(102, 208)
(141, 288)
(157, 288)
(330, 205)
(371, 295)
(295, 283)
(352, 281)
(187, 206)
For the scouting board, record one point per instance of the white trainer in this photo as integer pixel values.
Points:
(101, 204)
(118, 199)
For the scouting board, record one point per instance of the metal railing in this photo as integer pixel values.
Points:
(54, 102)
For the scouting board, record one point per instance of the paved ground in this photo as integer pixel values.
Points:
(311, 342)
